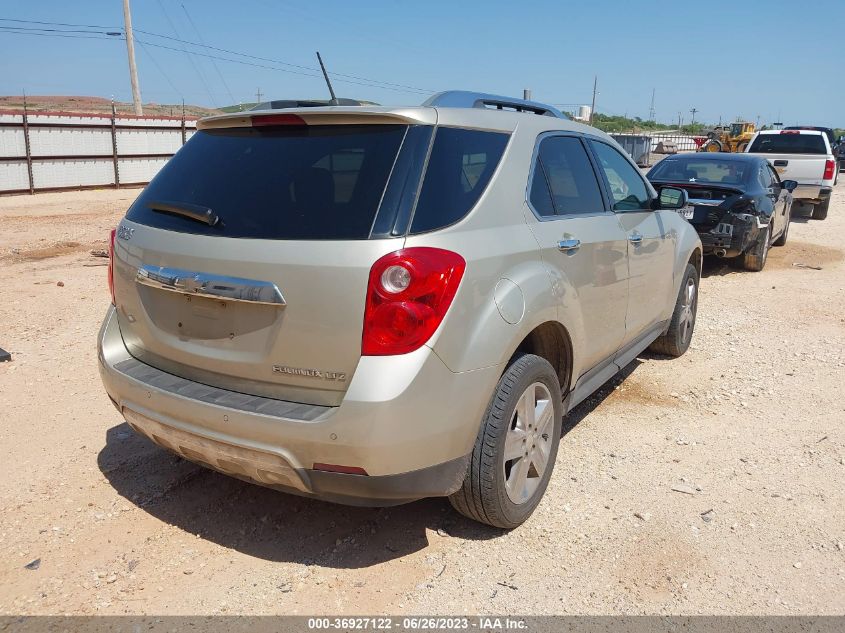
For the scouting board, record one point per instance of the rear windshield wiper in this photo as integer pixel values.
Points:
(190, 211)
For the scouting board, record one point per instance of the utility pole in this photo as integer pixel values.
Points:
(651, 114)
(693, 111)
(258, 94)
(133, 69)
(680, 122)
(593, 106)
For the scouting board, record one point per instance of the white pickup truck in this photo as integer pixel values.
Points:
(804, 156)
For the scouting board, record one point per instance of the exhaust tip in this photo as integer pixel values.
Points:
(720, 252)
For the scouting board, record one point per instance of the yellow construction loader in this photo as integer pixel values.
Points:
(732, 138)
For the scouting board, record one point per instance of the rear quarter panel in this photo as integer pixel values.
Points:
(497, 244)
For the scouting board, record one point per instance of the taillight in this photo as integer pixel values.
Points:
(829, 166)
(268, 120)
(408, 295)
(111, 266)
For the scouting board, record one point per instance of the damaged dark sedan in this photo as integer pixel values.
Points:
(737, 203)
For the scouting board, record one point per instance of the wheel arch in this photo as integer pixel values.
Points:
(550, 340)
(697, 259)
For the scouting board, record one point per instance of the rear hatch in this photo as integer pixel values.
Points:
(795, 155)
(244, 264)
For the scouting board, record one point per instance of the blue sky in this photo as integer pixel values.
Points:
(727, 58)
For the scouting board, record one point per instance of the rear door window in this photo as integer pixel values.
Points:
(627, 186)
(284, 183)
(564, 167)
(764, 177)
(460, 167)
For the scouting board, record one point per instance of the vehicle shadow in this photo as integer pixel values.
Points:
(801, 213)
(269, 524)
(716, 267)
(586, 407)
(275, 526)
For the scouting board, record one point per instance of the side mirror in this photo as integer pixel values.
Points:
(789, 185)
(673, 198)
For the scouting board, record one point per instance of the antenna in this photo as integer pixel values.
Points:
(328, 81)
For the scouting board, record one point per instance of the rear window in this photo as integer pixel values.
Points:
(459, 169)
(789, 144)
(713, 171)
(312, 182)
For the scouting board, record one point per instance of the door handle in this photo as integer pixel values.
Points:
(635, 237)
(567, 246)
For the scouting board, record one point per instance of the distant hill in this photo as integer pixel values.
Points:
(98, 105)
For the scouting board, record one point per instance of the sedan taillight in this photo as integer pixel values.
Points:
(408, 295)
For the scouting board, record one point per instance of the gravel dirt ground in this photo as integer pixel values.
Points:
(714, 483)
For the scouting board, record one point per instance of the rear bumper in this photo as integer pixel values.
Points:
(408, 421)
(812, 193)
(730, 238)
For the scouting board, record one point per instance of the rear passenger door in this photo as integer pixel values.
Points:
(583, 246)
(651, 245)
(778, 196)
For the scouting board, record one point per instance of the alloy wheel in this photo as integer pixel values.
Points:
(528, 443)
(687, 320)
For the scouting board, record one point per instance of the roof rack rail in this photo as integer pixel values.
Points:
(466, 99)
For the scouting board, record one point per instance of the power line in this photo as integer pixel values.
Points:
(213, 63)
(311, 71)
(73, 37)
(160, 69)
(283, 63)
(284, 70)
(24, 28)
(89, 26)
(190, 58)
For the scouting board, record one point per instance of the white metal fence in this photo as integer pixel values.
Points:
(44, 151)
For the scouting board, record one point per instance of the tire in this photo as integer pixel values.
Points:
(741, 147)
(676, 340)
(494, 491)
(755, 258)
(820, 210)
(781, 240)
(713, 145)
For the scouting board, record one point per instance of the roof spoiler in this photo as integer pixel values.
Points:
(466, 99)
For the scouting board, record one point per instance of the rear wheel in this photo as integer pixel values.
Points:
(755, 258)
(677, 338)
(820, 210)
(741, 147)
(516, 447)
